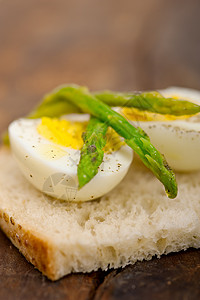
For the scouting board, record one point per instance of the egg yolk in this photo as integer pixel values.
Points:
(138, 115)
(62, 132)
(69, 134)
(113, 141)
(135, 114)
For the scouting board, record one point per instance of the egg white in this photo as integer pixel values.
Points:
(178, 140)
(52, 168)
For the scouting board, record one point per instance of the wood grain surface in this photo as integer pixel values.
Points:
(116, 44)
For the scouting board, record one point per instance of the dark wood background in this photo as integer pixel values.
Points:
(115, 44)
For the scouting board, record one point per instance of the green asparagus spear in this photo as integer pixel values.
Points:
(53, 105)
(150, 101)
(135, 138)
(92, 151)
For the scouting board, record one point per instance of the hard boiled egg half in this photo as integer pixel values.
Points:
(48, 152)
(178, 138)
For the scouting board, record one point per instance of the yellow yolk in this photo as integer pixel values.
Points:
(135, 114)
(69, 134)
(62, 132)
(113, 141)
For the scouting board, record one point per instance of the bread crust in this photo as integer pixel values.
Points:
(37, 250)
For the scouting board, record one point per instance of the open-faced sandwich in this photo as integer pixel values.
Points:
(72, 200)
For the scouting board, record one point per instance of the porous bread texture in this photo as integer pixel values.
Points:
(133, 222)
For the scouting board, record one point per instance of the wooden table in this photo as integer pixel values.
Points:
(120, 45)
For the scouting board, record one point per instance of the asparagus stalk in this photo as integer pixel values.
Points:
(53, 105)
(135, 138)
(149, 101)
(92, 151)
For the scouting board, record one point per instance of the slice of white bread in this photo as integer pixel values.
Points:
(133, 222)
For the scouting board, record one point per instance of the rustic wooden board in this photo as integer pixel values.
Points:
(175, 276)
(20, 280)
(121, 45)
